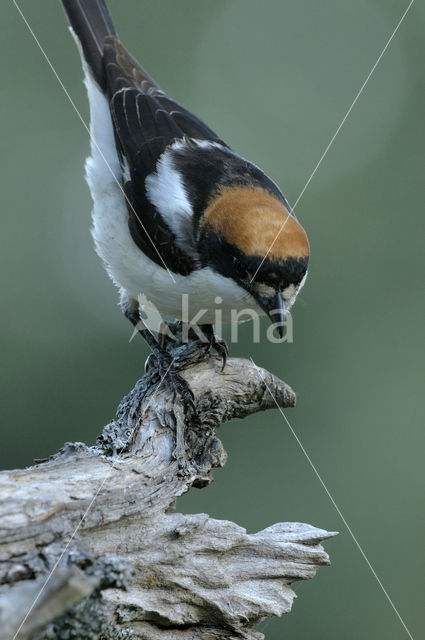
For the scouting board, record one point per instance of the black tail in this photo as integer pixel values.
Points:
(91, 23)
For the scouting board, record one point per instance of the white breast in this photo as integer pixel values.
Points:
(133, 272)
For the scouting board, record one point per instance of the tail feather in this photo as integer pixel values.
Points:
(91, 23)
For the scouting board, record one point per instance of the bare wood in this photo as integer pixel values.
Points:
(129, 567)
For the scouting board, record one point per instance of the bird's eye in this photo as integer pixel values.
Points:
(240, 270)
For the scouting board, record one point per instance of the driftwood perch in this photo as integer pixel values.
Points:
(127, 566)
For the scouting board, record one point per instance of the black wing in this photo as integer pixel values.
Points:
(146, 121)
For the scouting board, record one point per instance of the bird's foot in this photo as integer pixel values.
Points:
(190, 345)
(169, 375)
(218, 344)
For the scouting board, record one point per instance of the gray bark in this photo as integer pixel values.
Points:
(125, 564)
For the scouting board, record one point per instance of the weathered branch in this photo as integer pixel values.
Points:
(128, 567)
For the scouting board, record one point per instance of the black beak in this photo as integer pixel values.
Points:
(275, 309)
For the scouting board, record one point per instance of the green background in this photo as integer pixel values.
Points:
(274, 79)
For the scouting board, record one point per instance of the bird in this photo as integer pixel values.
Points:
(177, 213)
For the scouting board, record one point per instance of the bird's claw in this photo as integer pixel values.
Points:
(222, 350)
(177, 384)
(150, 362)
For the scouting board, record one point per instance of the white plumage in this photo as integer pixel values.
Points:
(130, 269)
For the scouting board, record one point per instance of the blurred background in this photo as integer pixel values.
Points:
(274, 79)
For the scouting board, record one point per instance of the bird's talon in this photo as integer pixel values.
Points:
(150, 362)
(222, 350)
(179, 386)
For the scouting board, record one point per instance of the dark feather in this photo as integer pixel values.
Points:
(146, 122)
(92, 23)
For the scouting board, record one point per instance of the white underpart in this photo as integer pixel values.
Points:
(133, 272)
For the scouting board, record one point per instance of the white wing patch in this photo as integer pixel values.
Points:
(166, 191)
(131, 270)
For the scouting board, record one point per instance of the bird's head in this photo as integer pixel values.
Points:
(248, 234)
